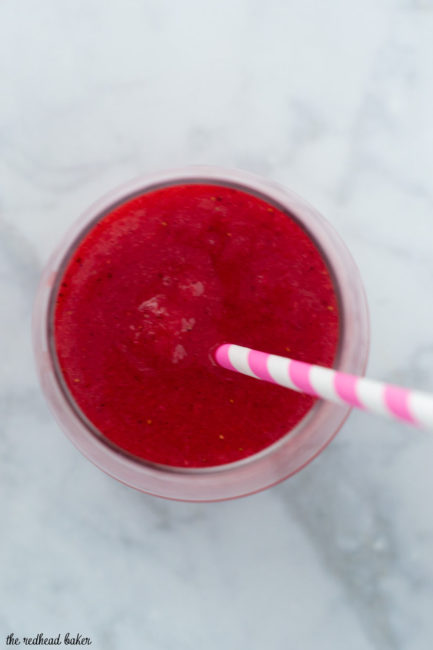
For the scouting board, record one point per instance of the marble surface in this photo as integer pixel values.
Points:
(332, 99)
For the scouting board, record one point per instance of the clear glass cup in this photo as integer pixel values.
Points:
(277, 462)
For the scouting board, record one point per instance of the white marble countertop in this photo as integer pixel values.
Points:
(333, 99)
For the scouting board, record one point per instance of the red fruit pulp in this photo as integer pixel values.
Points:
(155, 286)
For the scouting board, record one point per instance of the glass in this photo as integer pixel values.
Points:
(254, 473)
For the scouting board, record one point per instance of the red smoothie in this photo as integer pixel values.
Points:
(153, 288)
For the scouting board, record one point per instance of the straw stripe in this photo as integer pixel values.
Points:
(397, 400)
(371, 395)
(299, 373)
(258, 362)
(345, 386)
(278, 368)
(238, 357)
(323, 382)
(399, 403)
(421, 407)
(222, 357)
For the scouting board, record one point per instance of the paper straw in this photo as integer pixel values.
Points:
(402, 404)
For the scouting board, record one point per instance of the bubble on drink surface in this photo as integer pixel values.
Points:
(195, 288)
(153, 305)
(179, 353)
(187, 324)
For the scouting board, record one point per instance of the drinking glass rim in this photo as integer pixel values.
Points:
(312, 222)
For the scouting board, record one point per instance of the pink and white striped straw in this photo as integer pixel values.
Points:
(403, 404)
